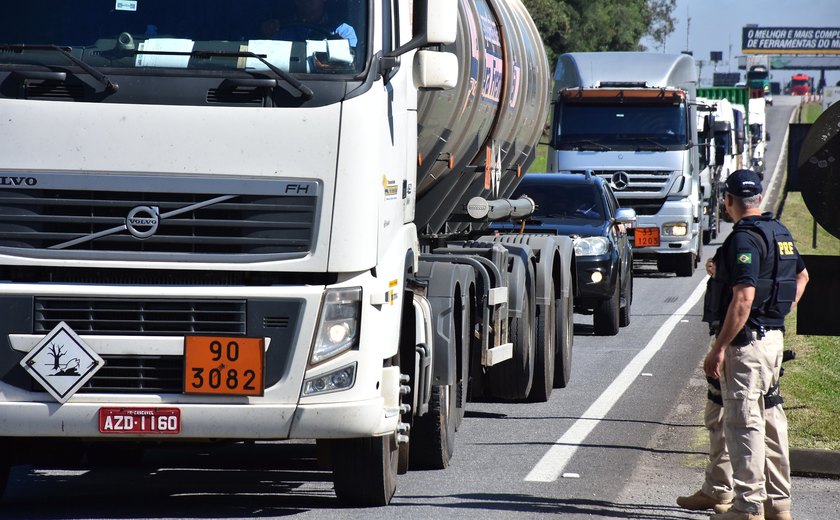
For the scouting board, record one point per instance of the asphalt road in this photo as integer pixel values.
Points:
(621, 441)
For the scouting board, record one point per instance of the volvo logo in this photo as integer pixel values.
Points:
(143, 221)
(18, 181)
(620, 181)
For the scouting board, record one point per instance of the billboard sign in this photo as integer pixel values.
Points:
(790, 40)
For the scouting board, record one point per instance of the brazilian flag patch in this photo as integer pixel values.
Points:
(745, 258)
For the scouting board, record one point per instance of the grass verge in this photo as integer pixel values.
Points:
(811, 384)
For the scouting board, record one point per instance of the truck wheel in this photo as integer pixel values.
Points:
(707, 236)
(545, 351)
(624, 310)
(365, 470)
(684, 264)
(605, 316)
(463, 328)
(512, 379)
(565, 328)
(433, 435)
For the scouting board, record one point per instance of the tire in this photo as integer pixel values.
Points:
(546, 344)
(684, 264)
(512, 379)
(707, 236)
(463, 326)
(624, 311)
(565, 329)
(433, 435)
(365, 470)
(605, 317)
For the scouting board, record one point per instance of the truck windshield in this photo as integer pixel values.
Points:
(624, 126)
(297, 36)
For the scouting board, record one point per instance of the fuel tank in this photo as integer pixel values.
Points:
(494, 117)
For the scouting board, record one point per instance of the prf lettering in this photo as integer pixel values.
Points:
(785, 248)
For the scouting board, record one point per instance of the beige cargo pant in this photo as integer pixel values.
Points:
(749, 455)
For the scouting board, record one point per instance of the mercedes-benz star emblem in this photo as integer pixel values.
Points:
(143, 221)
(620, 180)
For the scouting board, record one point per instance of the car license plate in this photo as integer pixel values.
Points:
(139, 420)
(646, 237)
(224, 366)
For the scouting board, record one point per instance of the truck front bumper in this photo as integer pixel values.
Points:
(204, 421)
(673, 216)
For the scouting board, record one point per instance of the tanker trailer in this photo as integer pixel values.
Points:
(219, 227)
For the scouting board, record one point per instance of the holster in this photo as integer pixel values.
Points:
(743, 338)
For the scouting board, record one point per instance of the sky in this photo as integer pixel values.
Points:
(715, 25)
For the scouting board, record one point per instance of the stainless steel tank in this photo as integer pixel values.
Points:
(500, 104)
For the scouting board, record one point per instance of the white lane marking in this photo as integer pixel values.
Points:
(554, 461)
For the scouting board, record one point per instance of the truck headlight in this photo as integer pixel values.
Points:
(591, 246)
(338, 326)
(675, 229)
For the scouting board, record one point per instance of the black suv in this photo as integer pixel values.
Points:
(584, 207)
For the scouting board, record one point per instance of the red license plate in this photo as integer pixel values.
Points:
(646, 237)
(140, 420)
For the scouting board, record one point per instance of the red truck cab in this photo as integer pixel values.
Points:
(801, 84)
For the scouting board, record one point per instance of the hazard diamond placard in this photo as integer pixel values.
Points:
(62, 362)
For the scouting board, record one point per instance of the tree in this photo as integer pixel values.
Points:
(660, 23)
(600, 25)
(553, 19)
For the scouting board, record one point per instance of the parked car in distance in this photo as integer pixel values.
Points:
(584, 207)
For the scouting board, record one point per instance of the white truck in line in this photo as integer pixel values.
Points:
(631, 118)
(209, 232)
(758, 135)
(710, 176)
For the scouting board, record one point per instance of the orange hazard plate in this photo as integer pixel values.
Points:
(224, 366)
(646, 237)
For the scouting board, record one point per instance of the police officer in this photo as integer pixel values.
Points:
(763, 277)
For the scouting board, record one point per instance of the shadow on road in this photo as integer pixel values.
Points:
(538, 505)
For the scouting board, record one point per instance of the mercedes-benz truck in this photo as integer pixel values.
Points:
(631, 118)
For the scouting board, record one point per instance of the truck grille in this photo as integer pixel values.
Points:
(138, 374)
(643, 206)
(143, 218)
(639, 183)
(133, 316)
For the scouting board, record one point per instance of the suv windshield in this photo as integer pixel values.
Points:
(566, 201)
(624, 126)
(296, 36)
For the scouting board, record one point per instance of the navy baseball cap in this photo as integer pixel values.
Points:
(743, 184)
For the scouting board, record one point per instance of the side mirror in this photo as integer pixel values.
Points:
(437, 24)
(625, 215)
(435, 70)
(441, 21)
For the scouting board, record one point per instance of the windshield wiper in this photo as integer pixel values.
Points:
(305, 91)
(656, 144)
(590, 142)
(110, 86)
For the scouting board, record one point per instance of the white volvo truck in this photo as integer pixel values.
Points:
(219, 225)
(631, 118)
